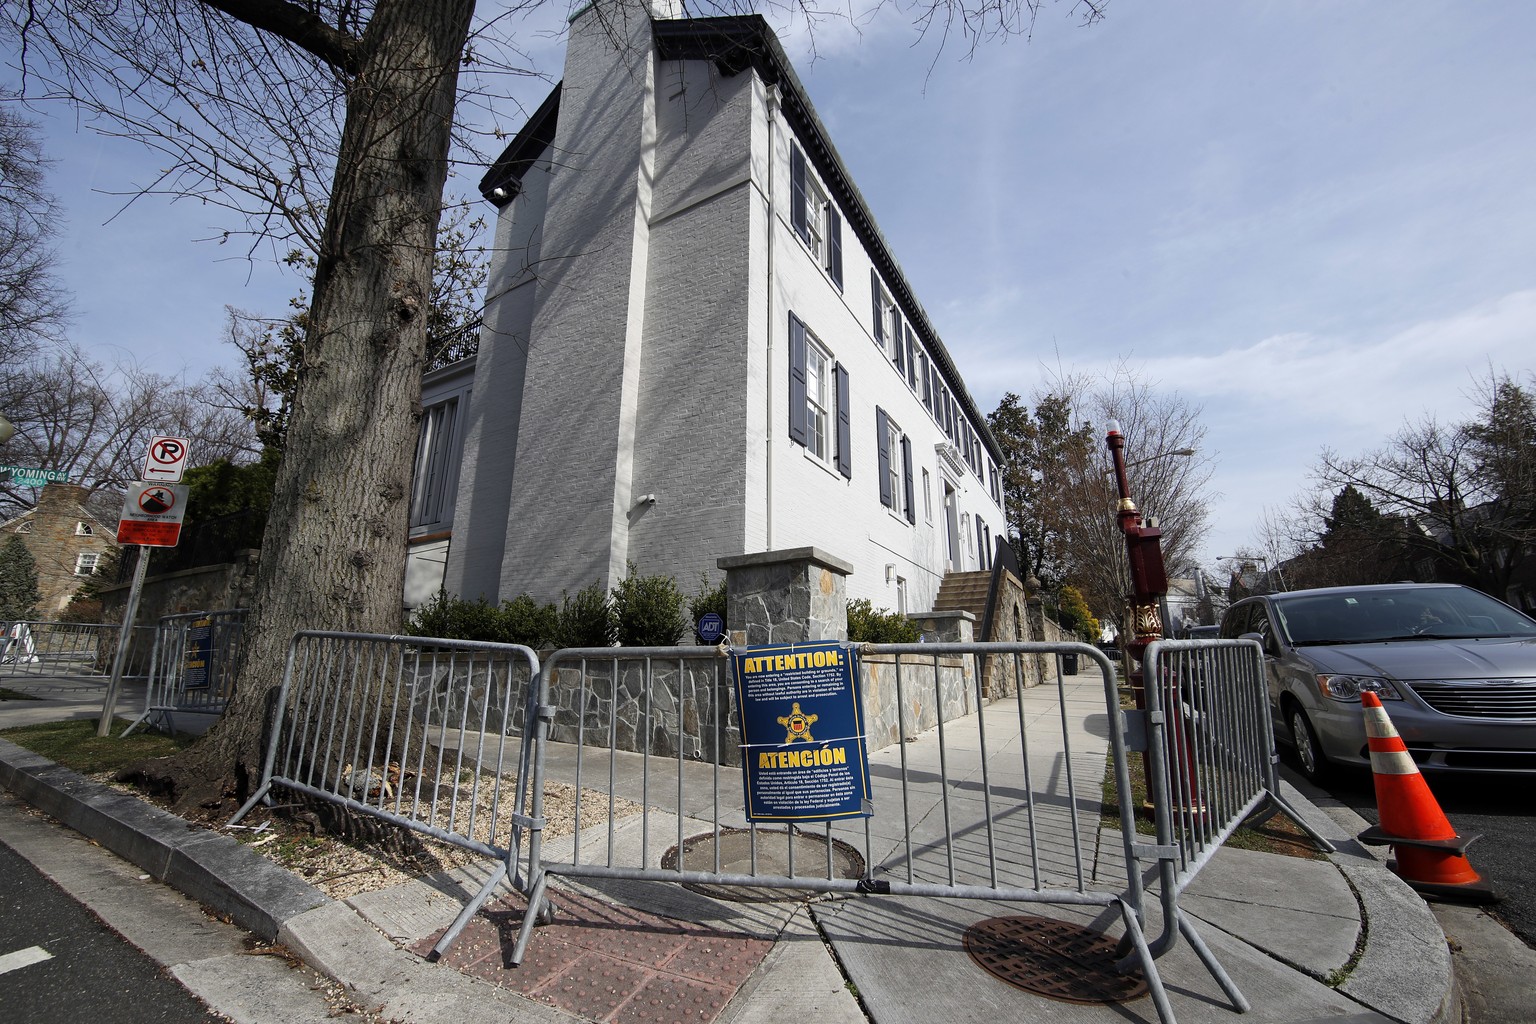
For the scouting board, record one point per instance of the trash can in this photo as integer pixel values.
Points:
(1069, 664)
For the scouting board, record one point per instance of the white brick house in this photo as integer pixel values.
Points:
(697, 344)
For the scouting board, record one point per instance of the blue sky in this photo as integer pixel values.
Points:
(1313, 219)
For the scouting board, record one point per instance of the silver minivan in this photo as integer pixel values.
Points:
(1454, 668)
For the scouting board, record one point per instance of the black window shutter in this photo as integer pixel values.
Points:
(911, 359)
(981, 543)
(899, 351)
(906, 477)
(835, 245)
(874, 305)
(844, 428)
(883, 434)
(797, 405)
(797, 192)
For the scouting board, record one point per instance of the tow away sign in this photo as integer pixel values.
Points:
(152, 514)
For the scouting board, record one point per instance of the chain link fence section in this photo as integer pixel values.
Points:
(1211, 766)
(70, 649)
(425, 734)
(192, 666)
(971, 799)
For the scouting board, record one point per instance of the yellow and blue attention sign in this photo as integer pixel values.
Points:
(802, 732)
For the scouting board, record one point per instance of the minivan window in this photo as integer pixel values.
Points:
(1398, 613)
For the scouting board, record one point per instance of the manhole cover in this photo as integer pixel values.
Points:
(1052, 959)
(735, 857)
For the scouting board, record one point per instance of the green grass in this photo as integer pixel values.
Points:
(1277, 835)
(74, 744)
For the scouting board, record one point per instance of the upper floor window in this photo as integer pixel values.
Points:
(814, 216)
(86, 562)
(437, 447)
(83, 529)
(896, 487)
(885, 316)
(818, 400)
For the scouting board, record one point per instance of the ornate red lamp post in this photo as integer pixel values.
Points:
(1149, 578)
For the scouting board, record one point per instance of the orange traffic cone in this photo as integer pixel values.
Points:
(1430, 855)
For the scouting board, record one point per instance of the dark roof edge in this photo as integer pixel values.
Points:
(735, 44)
(504, 180)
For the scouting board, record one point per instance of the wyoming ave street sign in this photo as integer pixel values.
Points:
(23, 476)
(152, 514)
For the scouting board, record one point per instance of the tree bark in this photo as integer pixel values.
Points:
(332, 556)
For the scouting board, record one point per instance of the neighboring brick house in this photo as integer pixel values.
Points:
(66, 540)
(697, 343)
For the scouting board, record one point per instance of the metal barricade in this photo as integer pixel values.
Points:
(1004, 804)
(70, 649)
(192, 666)
(422, 733)
(1211, 762)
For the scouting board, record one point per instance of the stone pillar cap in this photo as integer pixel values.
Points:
(814, 555)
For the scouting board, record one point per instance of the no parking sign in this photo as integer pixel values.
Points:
(167, 459)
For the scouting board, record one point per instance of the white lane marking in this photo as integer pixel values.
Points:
(23, 958)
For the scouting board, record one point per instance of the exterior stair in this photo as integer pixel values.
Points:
(964, 592)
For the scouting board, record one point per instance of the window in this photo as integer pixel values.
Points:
(901, 595)
(818, 400)
(84, 530)
(435, 482)
(895, 467)
(926, 373)
(85, 563)
(814, 217)
(25, 527)
(912, 347)
(927, 498)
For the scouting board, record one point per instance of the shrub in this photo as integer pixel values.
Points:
(1075, 617)
(649, 610)
(526, 622)
(453, 618)
(708, 599)
(868, 625)
(585, 620)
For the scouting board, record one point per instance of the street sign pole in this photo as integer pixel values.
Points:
(124, 639)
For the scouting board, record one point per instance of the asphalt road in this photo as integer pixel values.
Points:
(58, 962)
(1502, 809)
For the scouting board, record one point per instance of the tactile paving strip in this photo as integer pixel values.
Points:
(1053, 959)
(608, 963)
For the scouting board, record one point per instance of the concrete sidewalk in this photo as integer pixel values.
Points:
(1338, 939)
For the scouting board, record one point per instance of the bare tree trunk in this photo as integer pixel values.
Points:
(332, 555)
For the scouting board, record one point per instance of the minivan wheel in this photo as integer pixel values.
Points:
(1309, 753)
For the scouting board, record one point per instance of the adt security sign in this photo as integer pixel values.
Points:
(711, 627)
(167, 459)
(152, 515)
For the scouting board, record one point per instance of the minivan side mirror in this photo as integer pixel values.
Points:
(1262, 641)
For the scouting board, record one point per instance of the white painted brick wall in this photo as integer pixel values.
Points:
(710, 367)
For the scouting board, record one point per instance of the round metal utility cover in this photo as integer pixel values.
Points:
(773, 849)
(1052, 959)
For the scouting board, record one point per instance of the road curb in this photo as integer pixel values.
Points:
(212, 869)
(1402, 939)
